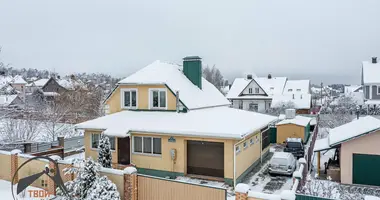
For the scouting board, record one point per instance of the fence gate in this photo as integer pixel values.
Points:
(273, 135)
(165, 189)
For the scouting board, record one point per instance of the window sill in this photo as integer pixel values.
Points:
(129, 108)
(96, 149)
(147, 154)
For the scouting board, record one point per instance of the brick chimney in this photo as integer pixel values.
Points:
(192, 68)
(374, 60)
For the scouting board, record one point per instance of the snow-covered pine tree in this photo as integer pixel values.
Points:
(103, 189)
(105, 156)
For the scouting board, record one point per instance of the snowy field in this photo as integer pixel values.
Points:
(6, 192)
(75, 157)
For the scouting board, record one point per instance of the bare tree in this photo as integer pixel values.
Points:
(338, 113)
(19, 129)
(214, 76)
(280, 108)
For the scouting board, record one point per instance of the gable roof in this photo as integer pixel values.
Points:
(272, 86)
(170, 74)
(297, 86)
(297, 120)
(41, 82)
(354, 129)
(237, 87)
(371, 72)
(352, 88)
(18, 80)
(6, 100)
(300, 101)
(218, 122)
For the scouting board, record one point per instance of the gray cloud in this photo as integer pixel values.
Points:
(321, 40)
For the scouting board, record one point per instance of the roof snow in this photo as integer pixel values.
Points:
(271, 86)
(6, 100)
(171, 74)
(353, 129)
(18, 80)
(298, 120)
(41, 82)
(281, 155)
(218, 122)
(371, 72)
(352, 88)
(297, 86)
(321, 144)
(6, 80)
(300, 101)
(71, 84)
(237, 87)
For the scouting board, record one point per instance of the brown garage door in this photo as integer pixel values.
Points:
(205, 158)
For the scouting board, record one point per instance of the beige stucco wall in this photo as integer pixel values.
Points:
(368, 144)
(165, 163)
(246, 157)
(32, 168)
(285, 131)
(93, 153)
(114, 101)
(5, 167)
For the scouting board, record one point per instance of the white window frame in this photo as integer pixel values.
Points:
(251, 141)
(151, 98)
(142, 147)
(290, 90)
(378, 86)
(245, 145)
(237, 149)
(250, 90)
(122, 91)
(96, 148)
(257, 90)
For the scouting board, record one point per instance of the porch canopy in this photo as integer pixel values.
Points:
(218, 122)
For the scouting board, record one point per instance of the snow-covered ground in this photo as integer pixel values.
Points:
(6, 191)
(75, 156)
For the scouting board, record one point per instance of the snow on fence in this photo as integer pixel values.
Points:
(73, 143)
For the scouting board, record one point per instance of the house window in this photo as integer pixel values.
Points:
(245, 145)
(95, 141)
(147, 145)
(237, 149)
(256, 90)
(250, 90)
(129, 98)
(253, 107)
(378, 89)
(290, 90)
(298, 90)
(251, 141)
(158, 98)
(240, 104)
(271, 88)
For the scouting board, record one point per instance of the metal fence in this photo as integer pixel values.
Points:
(73, 143)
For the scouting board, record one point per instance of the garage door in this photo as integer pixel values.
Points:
(365, 169)
(205, 158)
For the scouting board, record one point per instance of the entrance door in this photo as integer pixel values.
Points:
(365, 169)
(205, 158)
(123, 147)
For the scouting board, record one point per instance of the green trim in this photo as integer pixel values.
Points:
(250, 168)
(175, 95)
(307, 133)
(148, 110)
(229, 181)
(351, 138)
(159, 173)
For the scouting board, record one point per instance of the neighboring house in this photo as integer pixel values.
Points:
(169, 121)
(262, 93)
(293, 127)
(357, 151)
(371, 82)
(8, 101)
(46, 85)
(352, 88)
(72, 83)
(12, 85)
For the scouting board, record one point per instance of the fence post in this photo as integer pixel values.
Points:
(14, 164)
(241, 191)
(130, 183)
(51, 184)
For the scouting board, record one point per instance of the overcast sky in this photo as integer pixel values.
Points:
(321, 40)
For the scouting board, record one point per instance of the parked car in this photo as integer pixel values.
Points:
(295, 146)
(282, 163)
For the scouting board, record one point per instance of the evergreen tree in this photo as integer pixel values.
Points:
(105, 156)
(103, 189)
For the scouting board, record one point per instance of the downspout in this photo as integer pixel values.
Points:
(177, 100)
(234, 164)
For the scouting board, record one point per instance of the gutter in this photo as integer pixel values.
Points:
(234, 165)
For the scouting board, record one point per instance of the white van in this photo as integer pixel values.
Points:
(282, 163)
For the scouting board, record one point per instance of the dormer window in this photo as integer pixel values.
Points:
(129, 98)
(250, 90)
(290, 90)
(158, 98)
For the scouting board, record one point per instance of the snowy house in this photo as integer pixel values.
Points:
(371, 82)
(10, 101)
(262, 93)
(169, 121)
(357, 154)
(46, 85)
(72, 83)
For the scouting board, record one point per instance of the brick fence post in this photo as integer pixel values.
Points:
(51, 184)
(241, 191)
(130, 183)
(67, 176)
(14, 164)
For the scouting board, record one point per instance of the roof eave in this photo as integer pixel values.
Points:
(352, 138)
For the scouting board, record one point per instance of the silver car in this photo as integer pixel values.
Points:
(282, 163)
